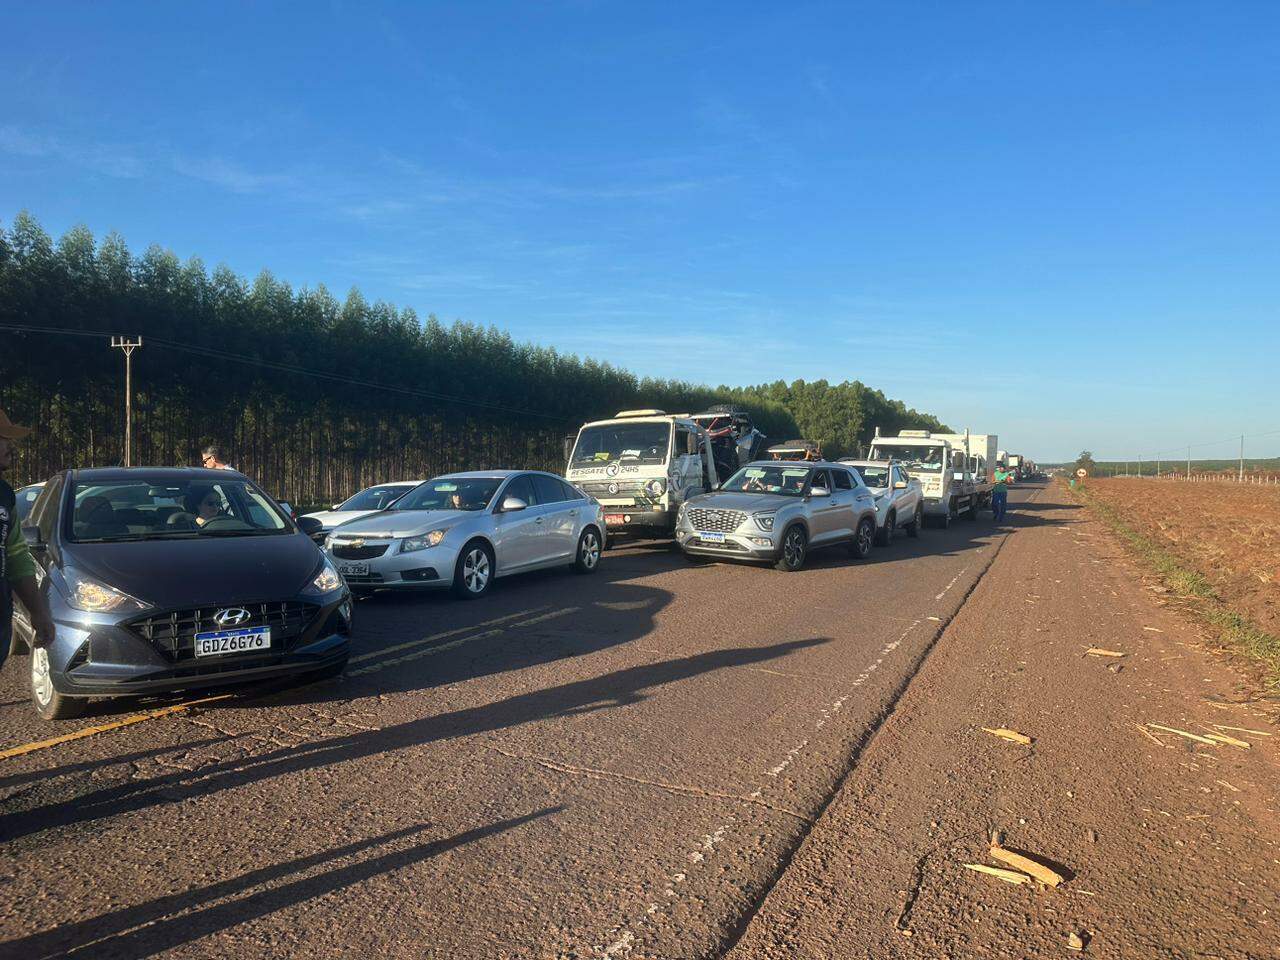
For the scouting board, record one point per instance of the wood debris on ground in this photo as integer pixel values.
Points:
(1183, 733)
(1223, 738)
(1077, 941)
(1153, 629)
(1008, 876)
(1034, 868)
(1013, 736)
(1256, 733)
(1101, 652)
(1149, 735)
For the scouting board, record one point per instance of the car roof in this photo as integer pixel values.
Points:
(865, 463)
(490, 474)
(792, 463)
(109, 474)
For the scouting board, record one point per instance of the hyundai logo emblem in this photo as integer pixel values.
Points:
(231, 617)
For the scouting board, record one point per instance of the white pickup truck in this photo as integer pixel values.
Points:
(899, 498)
(940, 465)
(641, 466)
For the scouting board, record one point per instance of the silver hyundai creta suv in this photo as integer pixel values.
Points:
(778, 511)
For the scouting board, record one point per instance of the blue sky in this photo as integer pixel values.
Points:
(1057, 222)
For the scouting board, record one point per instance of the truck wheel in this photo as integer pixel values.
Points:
(884, 535)
(795, 548)
(913, 528)
(863, 538)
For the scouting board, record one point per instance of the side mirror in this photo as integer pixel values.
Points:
(334, 506)
(309, 525)
(31, 535)
(568, 448)
(513, 504)
(900, 485)
(819, 492)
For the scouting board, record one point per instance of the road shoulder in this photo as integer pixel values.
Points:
(1169, 843)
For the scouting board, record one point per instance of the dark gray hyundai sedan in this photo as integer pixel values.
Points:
(164, 579)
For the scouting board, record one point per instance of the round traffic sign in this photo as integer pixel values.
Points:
(1082, 473)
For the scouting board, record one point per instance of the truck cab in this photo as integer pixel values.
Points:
(641, 466)
(941, 466)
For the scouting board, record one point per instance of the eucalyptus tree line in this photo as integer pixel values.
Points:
(313, 396)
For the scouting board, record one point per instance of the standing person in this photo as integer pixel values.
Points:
(1000, 493)
(17, 567)
(211, 457)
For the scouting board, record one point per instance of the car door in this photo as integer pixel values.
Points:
(844, 492)
(559, 518)
(517, 533)
(863, 499)
(904, 499)
(823, 519)
(44, 517)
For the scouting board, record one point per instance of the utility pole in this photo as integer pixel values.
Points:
(1157, 466)
(1242, 458)
(1139, 466)
(127, 347)
(1188, 461)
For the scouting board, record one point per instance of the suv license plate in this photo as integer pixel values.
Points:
(613, 519)
(353, 569)
(218, 642)
(711, 537)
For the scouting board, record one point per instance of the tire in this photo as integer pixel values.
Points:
(49, 703)
(913, 528)
(473, 573)
(795, 550)
(884, 535)
(587, 558)
(863, 538)
(326, 673)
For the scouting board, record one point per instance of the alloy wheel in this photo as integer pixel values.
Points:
(793, 548)
(475, 570)
(41, 679)
(590, 551)
(866, 534)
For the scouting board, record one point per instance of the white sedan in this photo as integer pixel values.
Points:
(899, 497)
(368, 501)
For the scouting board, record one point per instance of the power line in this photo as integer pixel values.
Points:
(294, 368)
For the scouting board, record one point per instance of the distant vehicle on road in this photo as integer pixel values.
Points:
(941, 467)
(464, 529)
(778, 511)
(26, 497)
(367, 501)
(899, 498)
(642, 465)
(980, 462)
(164, 579)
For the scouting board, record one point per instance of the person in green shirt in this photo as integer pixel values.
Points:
(17, 566)
(1000, 493)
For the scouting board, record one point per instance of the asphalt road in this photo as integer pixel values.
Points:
(615, 765)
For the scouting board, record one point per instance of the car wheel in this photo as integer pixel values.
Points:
(913, 528)
(795, 548)
(474, 571)
(863, 538)
(587, 559)
(884, 535)
(49, 703)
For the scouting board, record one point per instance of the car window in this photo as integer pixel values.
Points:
(548, 489)
(843, 480)
(45, 512)
(522, 488)
(374, 498)
(142, 507)
(450, 493)
(820, 479)
(571, 492)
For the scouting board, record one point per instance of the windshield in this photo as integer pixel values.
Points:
(157, 509)
(450, 493)
(784, 481)
(633, 442)
(374, 498)
(924, 459)
(872, 476)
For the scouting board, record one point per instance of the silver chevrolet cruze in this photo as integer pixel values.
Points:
(464, 529)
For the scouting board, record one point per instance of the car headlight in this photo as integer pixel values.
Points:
(764, 521)
(656, 488)
(413, 544)
(326, 581)
(85, 593)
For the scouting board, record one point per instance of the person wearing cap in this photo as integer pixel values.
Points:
(17, 567)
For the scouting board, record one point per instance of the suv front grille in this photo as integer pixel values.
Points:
(722, 521)
(174, 633)
(366, 551)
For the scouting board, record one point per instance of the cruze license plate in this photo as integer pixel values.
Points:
(354, 569)
(218, 642)
(711, 537)
(614, 519)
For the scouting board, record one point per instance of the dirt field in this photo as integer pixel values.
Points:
(1229, 534)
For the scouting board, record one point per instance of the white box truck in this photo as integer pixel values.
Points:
(642, 465)
(981, 453)
(941, 466)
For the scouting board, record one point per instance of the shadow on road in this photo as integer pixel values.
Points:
(167, 922)
(619, 688)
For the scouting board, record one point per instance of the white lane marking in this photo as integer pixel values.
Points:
(951, 584)
(435, 636)
(454, 644)
(710, 841)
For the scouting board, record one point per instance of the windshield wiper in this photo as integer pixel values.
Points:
(237, 533)
(138, 536)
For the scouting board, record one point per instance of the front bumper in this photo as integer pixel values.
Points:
(94, 656)
(429, 569)
(639, 521)
(755, 545)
